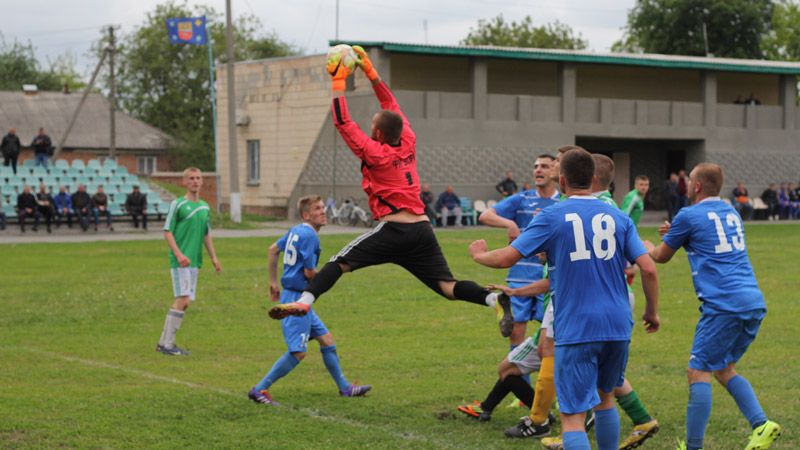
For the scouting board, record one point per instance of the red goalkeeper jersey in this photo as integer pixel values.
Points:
(390, 171)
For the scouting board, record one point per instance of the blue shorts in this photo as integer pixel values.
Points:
(526, 309)
(582, 369)
(722, 338)
(298, 330)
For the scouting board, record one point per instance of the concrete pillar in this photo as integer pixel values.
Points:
(567, 90)
(788, 96)
(708, 81)
(622, 175)
(480, 88)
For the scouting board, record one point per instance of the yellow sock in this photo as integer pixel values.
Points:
(544, 391)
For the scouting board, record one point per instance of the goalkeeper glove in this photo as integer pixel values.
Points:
(365, 63)
(338, 71)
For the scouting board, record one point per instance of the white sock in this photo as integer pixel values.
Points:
(491, 299)
(307, 298)
(171, 327)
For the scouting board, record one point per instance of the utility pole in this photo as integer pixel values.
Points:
(333, 173)
(112, 49)
(235, 199)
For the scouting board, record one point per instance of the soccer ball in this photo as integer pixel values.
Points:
(346, 54)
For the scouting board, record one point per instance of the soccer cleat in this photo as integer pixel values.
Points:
(639, 434)
(763, 436)
(505, 317)
(553, 443)
(356, 390)
(516, 403)
(476, 411)
(526, 429)
(682, 445)
(261, 396)
(281, 311)
(173, 351)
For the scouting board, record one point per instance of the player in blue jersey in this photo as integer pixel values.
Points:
(732, 305)
(301, 250)
(514, 213)
(587, 243)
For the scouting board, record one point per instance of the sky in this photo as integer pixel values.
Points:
(58, 27)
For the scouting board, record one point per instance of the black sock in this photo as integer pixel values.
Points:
(470, 291)
(497, 394)
(520, 388)
(324, 279)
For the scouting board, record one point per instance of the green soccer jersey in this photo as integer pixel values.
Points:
(189, 222)
(633, 206)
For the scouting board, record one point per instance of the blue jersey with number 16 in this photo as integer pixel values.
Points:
(712, 234)
(588, 244)
(301, 250)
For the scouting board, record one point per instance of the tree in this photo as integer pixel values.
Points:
(498, 32)
(783, 42)
(734, 27)
(167, 85)
(18, 66)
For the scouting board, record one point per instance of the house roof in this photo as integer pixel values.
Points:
(53, 111)
(586, 56)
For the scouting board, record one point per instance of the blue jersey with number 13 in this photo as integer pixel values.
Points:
(301, 250)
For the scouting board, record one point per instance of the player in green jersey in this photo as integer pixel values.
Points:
(187, 229)
(633, 203)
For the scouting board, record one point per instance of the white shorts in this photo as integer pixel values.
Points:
(524, 356)
(547, 320)
(184, 281)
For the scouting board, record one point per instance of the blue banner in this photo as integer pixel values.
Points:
(187, 30)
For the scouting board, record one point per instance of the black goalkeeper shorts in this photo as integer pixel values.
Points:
(412, 246)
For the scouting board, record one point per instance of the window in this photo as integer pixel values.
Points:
(145, 165)
(253, 161)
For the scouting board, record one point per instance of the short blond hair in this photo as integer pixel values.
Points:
(565, 148)
(710, 175)
(189, 170)
(304, 203)
(603, 169)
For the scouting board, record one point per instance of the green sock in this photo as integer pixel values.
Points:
(634, 408)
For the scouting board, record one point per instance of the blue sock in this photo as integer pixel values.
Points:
(697, 413)
(282, 366)
(332, 363)
(527, 378)
(606, 422)
(741, 391)
(576, 440)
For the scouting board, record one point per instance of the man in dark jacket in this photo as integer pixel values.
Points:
(10, 147)
(449, 205)
(41, 148)
(100, 206)
(82, 206)
(136, 206)
(770, 198)
(45, 202)
(507, 187)
(27, 207)
(63, 206)
(427, 199)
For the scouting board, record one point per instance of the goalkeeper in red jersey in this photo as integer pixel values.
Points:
(404, 235)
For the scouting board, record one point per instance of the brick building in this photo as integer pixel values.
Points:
(479, 111)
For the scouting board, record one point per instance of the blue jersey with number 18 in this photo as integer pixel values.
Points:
(588, 244)
(301, 250)
(712, 234)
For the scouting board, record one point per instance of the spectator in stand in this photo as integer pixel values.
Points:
(2, 221)
(682, 188)
(507, 187)
(770, 198)
(741, 201)
(671, 195)
(41, 148)
(10, 147)
(63, 205)
(27, 207)
(100, 206)
(136, 206)
(45, 202)
(82, 206)
(427, 199)
(526, 187)
(784, 202)
(449, 204)
(794, 202)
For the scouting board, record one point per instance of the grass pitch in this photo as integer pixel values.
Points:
(78, 369)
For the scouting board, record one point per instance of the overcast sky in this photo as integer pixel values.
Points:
(56, 27)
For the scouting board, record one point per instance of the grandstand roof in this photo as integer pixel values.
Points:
(586, 56)
(53, 110)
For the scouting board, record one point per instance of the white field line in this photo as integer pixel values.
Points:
(310, 412)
